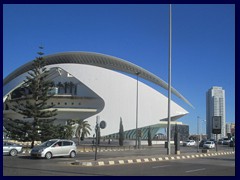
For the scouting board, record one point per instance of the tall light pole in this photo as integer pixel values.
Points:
(96, 132)
(202, 128)
(197, 134)
(136, 143)
(169, 81)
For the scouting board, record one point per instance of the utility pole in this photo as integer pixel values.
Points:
(97, 133)
(169, 81)
(137, 143)
(198, 134)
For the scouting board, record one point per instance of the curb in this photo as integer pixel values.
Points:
(145, 159)
(103, 150)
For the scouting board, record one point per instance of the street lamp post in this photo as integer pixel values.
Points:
(169, 82)
(198, 134)
(137, 143)
(202, 129)
(96, 132)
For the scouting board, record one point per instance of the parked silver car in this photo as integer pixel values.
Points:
(11, 149)
(55, 148)
(226, 141)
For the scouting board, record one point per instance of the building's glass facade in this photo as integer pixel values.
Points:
(215, 106)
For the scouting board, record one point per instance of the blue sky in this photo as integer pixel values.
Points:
(203, 42)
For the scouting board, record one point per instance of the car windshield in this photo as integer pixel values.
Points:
(208, 142)
(48, 143)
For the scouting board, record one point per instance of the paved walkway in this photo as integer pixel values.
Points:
(143, 159)
(129, 155)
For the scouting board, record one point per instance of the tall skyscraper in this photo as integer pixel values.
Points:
(215, 106)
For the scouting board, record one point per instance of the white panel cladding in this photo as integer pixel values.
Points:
(95, 59)
(119, 94)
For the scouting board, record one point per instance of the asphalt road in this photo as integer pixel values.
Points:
(23, 165)
(209, 166)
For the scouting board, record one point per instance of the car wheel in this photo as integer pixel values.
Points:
(13, 152)
(72, 154)
(48, 155)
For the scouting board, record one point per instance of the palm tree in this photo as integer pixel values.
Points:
(68, 129)
(82, 130)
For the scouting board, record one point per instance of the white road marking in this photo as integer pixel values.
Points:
(195, 170)
(161, 166)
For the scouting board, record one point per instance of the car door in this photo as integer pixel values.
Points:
(56, 149)
(67, 146)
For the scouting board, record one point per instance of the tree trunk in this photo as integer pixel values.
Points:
(32, 144)
(78, 140)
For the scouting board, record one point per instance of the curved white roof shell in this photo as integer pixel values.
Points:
(96, 59)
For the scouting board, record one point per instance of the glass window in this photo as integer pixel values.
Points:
(67, 143)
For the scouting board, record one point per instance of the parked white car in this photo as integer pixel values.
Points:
(209, 145)
(189, 143)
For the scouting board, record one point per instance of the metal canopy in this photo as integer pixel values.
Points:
(100, 60)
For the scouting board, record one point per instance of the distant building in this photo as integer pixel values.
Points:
(215, 106)
(233, 129)
(230, 128)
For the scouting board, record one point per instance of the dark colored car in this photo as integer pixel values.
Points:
(232, 143)
(202, 142)
(220, 141)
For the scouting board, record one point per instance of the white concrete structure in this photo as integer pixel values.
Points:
(98, 87)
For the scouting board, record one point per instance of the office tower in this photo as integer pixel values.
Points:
(215, 106)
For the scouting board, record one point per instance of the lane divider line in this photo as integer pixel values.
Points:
(195, 170)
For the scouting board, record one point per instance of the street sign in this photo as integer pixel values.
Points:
(216, 124)
(139, 133)
(103, 124)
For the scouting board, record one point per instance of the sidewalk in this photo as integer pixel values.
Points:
(146, 154)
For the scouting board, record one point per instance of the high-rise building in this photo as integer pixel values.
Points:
(215, 106)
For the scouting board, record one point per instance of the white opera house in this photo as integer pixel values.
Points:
(90, 84)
